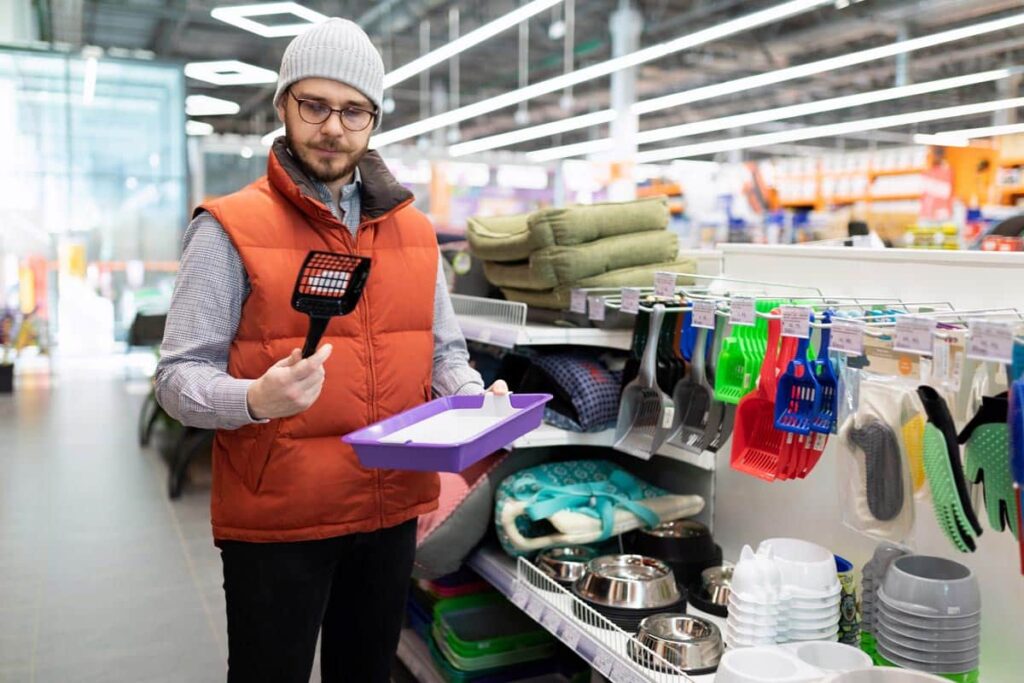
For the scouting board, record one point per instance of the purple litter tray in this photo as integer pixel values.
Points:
(448, 434)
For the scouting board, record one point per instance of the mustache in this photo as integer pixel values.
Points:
(332, 146)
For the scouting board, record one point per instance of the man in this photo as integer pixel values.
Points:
(311, 542)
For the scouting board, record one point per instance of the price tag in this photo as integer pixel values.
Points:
(621, 674)
(535, 608)
(940, 359)
(668, 416)
(578, 301)
(503, 336)
(796, 322)
(595, 308)
(571, 636)
(914, 335)
(957, 370)
(741, 311)
(704, 314)
(550, 621)
(847, 337)
(603, 663)
(820, 441)
(991, 341)
(665, 284)
(924, 369)
(520, 596)
(630, 301)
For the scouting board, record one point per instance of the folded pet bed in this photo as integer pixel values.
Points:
(514, 238)
(637, 276)
(550, 267)
(586, 223)
(579, 502)
(502, 238)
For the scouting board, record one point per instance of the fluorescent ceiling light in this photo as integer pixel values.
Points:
(198, 128)
(532, 133)
(204, 105)
(577, 149)
(730, 122)
(467, 41)
(942, 140)
(712, 33)
(820, 106)
(823, 65)
(985, 132)
(830, 130)
(239, 16)
(229, 72)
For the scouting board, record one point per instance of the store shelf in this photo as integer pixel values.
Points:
(1012, 161)
(898, 171)
(1011, 189)
(568, 619)
(906, 196)
(415, 656)
(510, 336)
(548, 435)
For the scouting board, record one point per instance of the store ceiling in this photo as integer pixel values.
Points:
(183, 30)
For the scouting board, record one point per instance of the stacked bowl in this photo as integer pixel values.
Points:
(871, 579)
(788, 591)
(928, 616)
(626, 589)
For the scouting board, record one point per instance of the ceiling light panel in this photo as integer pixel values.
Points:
(229, 72)
(241, 17)
(204, 105)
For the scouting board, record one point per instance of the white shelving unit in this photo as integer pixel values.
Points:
(606, 648)
(548, 435)
(503, 323)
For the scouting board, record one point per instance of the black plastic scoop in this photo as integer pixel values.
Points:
(328, 285)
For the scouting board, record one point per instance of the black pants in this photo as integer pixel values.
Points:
(281, 595)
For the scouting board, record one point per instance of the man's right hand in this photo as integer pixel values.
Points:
(289, 387)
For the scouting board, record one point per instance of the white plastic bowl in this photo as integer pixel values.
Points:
(806, 568)
(832, 657)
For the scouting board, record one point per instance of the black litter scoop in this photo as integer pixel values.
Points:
(329, 285)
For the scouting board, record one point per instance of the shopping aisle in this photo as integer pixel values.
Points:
(101, 578)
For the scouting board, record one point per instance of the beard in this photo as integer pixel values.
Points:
(321, 169)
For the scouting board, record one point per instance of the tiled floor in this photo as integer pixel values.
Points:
(102, 578)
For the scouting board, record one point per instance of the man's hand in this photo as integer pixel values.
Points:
(499, 387)
(290, 386)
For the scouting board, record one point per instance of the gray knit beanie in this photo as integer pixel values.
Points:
(337, 49)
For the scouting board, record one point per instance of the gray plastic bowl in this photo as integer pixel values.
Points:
(883, 606)
(927, 667)
(931, 587)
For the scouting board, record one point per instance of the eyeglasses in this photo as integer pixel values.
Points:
(316, 113)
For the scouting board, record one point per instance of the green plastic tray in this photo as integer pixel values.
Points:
(478, 625)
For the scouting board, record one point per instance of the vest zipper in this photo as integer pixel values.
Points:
(374, 413)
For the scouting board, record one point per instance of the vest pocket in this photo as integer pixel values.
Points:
(252, 455)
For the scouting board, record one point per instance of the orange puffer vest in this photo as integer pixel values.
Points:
(293, 479)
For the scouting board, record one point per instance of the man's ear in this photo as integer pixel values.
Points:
(280, 110)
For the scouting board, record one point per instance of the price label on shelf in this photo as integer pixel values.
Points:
(990, 340)
(940, 359)
(520, 596)
(796, 322)
(578, 301)
(704, 314)
(535, 608)
(847, 337)
(914, 335)
(665, 284)
(595, 308)
(630, 300)
(571, 636)
(603, 662)
(741, 311)
(550, 621)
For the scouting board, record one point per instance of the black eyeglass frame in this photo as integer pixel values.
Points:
(332, 110)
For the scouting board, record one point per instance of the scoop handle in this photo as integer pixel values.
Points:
(316, 331)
